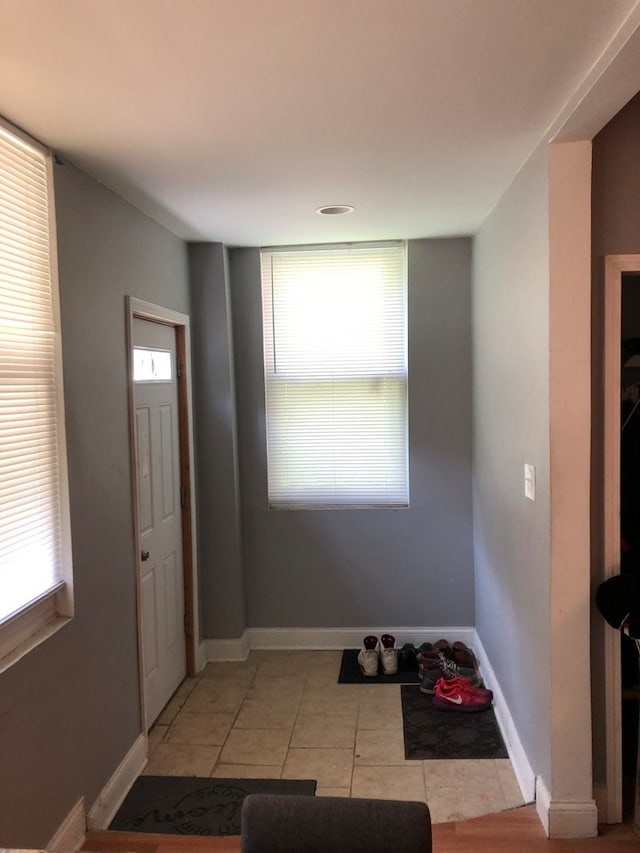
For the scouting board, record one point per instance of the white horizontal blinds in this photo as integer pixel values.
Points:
(336, 375)
(29, 481)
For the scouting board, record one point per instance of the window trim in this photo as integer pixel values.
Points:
(47, 613)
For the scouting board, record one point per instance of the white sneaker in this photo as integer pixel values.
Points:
(389, 654)
(368, 661)
(368, 656)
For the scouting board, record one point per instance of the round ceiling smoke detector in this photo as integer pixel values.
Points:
(335, 209)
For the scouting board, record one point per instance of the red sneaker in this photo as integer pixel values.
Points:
(458, 696)
(482, 691)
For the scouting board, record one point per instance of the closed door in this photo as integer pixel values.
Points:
(160, 561)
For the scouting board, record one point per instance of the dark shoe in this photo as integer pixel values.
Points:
(425, 652)
(407, 658)
(450, 669)
(430, 674)
(463, 655)
(439, 649)
(433, 669)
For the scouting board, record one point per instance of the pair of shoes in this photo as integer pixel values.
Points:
(429, 653)
(375, 653)
(436, 665)
(458, 652)
(458, 694)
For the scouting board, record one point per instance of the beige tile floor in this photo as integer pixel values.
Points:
(282, 715)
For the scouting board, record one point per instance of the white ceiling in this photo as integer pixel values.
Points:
(232, 120)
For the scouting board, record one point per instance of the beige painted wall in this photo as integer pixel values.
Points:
(569, 442)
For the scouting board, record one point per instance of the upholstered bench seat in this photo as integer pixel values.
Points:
(276, 823)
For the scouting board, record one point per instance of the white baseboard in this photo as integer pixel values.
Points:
(323, 638)
(543, 802)
(200, 655)
(348, 638)
(565, 819)
(600, 796)
(519, 760)
(223, 650)
(71, 833)
(110, 798)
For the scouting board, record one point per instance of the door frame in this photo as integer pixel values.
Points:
(139, 309)
(614, 268)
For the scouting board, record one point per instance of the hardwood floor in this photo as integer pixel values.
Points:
(147, 842)
(515, 831)
(520, 831)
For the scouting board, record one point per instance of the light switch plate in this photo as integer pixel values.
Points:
(529, 481)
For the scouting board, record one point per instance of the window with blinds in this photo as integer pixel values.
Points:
(34, 523)
(335, 358)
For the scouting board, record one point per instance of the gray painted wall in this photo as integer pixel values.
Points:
(615, 205)
(219, 530)
(69, 710)
(395, 567)
(510, 310)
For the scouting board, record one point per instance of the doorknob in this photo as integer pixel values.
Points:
(144, 555)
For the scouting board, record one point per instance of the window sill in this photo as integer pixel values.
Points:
(277, 507)
(29, 628)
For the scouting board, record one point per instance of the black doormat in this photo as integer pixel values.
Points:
(350, 673)
(430, 733)
(188, 805)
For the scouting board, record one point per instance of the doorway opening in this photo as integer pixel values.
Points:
(621, 533)
(161, 446)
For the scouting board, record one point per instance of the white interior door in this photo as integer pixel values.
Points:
(159, 513)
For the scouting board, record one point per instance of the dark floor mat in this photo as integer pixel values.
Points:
(430, 733)
(188, 805)
(350, 673)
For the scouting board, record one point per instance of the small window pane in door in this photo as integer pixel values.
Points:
(150, 365)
